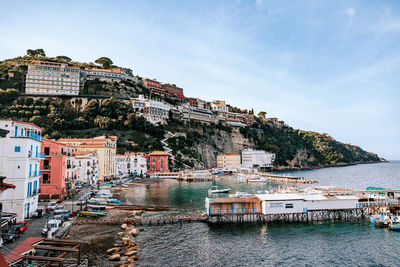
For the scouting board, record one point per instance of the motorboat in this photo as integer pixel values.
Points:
(215, 190)
(394, 226)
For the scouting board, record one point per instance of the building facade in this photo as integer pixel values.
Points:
(257, 159)
(50, 78)
(54, 169)
(156, 111)
(105, 147)
(87, 166)
(138, 164)
(157, 162)
(110, 75)
(219, 106)
(122, 165)
(228, 160)
(20, 163)
(174, 91)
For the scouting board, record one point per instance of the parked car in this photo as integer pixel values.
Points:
(22, 225)
(10, 235)
(39, 212)
(81, 201)
(52, 205)
(1, 242)
(64, 213)
(59, 219)
(51, 225)
(59, 207)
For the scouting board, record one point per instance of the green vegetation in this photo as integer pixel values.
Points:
(310, 149)
(62, 117)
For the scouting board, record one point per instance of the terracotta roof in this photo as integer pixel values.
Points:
(25, 246)
(24, 122)
(229, 154)
(5, 186)
(158, 153)
(77, 153)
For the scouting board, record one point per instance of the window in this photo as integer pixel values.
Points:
(289, 206)
(47, 150)
(46, 178)
(276, 205)
(17, 149)
(30, 170)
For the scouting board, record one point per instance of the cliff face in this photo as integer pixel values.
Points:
(220, 142)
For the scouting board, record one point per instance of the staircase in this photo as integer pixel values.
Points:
(169, 150)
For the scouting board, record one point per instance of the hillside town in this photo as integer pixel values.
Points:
(59, 79)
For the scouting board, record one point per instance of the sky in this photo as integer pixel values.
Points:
(326, 66)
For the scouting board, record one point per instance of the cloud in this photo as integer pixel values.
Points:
(350, 12)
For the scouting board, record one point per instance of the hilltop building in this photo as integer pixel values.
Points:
(257, 159)
(219, 106)
(110, 75)
(166, 89)
(105, 147)
(228, 160)
(157, 162)
(20, 163)
(51, 78)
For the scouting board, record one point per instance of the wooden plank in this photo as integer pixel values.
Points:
(56, 248)
(41, 258)
(64, 241)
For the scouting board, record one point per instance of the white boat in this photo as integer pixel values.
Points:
(215, 190)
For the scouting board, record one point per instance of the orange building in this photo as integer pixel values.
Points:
(54, 168)
(157, 161)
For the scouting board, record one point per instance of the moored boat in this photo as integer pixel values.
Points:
(215, 190)
(394, 226)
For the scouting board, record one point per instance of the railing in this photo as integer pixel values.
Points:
(46, 168)
(30, 135)
(378, 203)
(234, 211)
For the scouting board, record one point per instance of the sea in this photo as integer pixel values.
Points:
(258, 244)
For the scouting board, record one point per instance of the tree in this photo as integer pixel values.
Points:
(64, 58)
(105, 62)
(91, 110)
(36, 53)
(261, 115)
(31, 52)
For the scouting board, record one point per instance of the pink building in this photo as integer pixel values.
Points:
(54, 169)
(157, 162)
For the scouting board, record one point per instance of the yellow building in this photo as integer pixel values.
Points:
(105, 148)
(228, 160)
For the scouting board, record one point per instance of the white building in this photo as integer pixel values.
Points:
(20, 163)
(257, 158)
(138, 164)
(122, 165)
(281, 203)
(51, 78)
(156, 111)
(197, 114)
(219, 106)
(87, 165)
(110, 75)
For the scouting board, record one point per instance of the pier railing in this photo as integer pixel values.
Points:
(234, 211)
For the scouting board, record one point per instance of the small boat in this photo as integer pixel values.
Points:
(394, 226)
(96, 207)
(215, 190)
(92, 213)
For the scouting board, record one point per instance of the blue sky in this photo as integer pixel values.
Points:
(327, 66)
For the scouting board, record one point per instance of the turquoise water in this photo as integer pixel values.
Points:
(330, 244)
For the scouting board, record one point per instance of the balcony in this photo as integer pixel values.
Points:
(46, 168)
(29, 135)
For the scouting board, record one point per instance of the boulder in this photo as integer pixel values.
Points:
(130, 252)
(120, 234)
(113, 250)
(115, 257)
(141, 229)
(135, 258)
(124, 226)
(118, 245)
